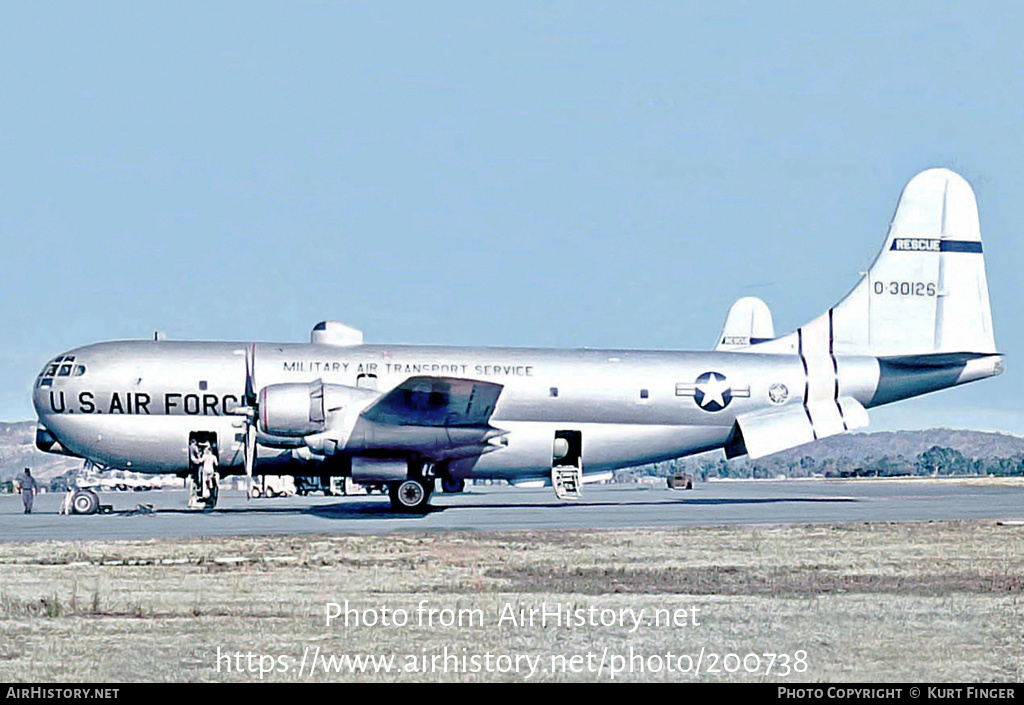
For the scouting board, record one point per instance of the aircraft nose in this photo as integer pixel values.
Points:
(54, 375)
(46, 441)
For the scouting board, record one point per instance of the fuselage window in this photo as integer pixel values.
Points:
(643, 394)
(553, 391)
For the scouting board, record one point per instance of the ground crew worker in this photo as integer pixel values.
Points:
(195, 458)
(28, 490)
(209, 471)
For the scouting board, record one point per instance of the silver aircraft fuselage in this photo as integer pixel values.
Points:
(134, 403)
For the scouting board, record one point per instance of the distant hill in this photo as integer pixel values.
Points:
(899, 449)
(972, 444)
(18, 451)
(932, 451)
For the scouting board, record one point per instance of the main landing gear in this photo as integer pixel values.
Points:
(453, 485)
(413, 493)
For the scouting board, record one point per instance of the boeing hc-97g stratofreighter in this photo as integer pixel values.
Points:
(918, 321)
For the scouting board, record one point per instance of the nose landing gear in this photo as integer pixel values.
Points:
(81, 497)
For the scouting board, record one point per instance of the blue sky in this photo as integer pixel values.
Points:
(550, 174)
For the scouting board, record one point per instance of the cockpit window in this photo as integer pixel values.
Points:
(61, 367)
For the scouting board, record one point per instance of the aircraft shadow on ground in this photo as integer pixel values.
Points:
(667, 503)
(382, 510)
(355, 510)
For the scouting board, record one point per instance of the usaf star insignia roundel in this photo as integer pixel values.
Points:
(712, 392)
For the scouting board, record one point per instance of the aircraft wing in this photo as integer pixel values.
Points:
(436, 401)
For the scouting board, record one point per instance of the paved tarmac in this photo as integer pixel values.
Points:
(501, 508)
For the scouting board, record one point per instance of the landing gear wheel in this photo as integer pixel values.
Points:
(452, 485)
(85, 502)
(409, 495)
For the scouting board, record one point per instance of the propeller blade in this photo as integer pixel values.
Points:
(250, 456)
(250, 371)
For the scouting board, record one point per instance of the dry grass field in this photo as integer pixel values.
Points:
(866, 602)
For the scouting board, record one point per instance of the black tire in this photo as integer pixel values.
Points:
(85, 502)
(409, 495)
(453, 485)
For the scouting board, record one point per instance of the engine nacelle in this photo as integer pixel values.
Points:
(313, 411)
(292, 409)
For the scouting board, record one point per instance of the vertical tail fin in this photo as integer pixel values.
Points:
(922, 309)
(926, 291)
(749, 322)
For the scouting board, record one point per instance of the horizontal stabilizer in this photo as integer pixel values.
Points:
(749, 322)
(933, 360)
(436, 401)
(762, 433)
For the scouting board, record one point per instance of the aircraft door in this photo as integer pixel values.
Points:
(567, 464)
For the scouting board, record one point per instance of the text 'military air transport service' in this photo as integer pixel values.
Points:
(406, 416)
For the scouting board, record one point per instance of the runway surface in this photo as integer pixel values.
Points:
(500, 508)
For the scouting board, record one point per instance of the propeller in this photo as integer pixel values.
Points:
(249, 410)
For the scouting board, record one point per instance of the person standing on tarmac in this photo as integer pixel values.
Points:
(209, 469)
(28, 490)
